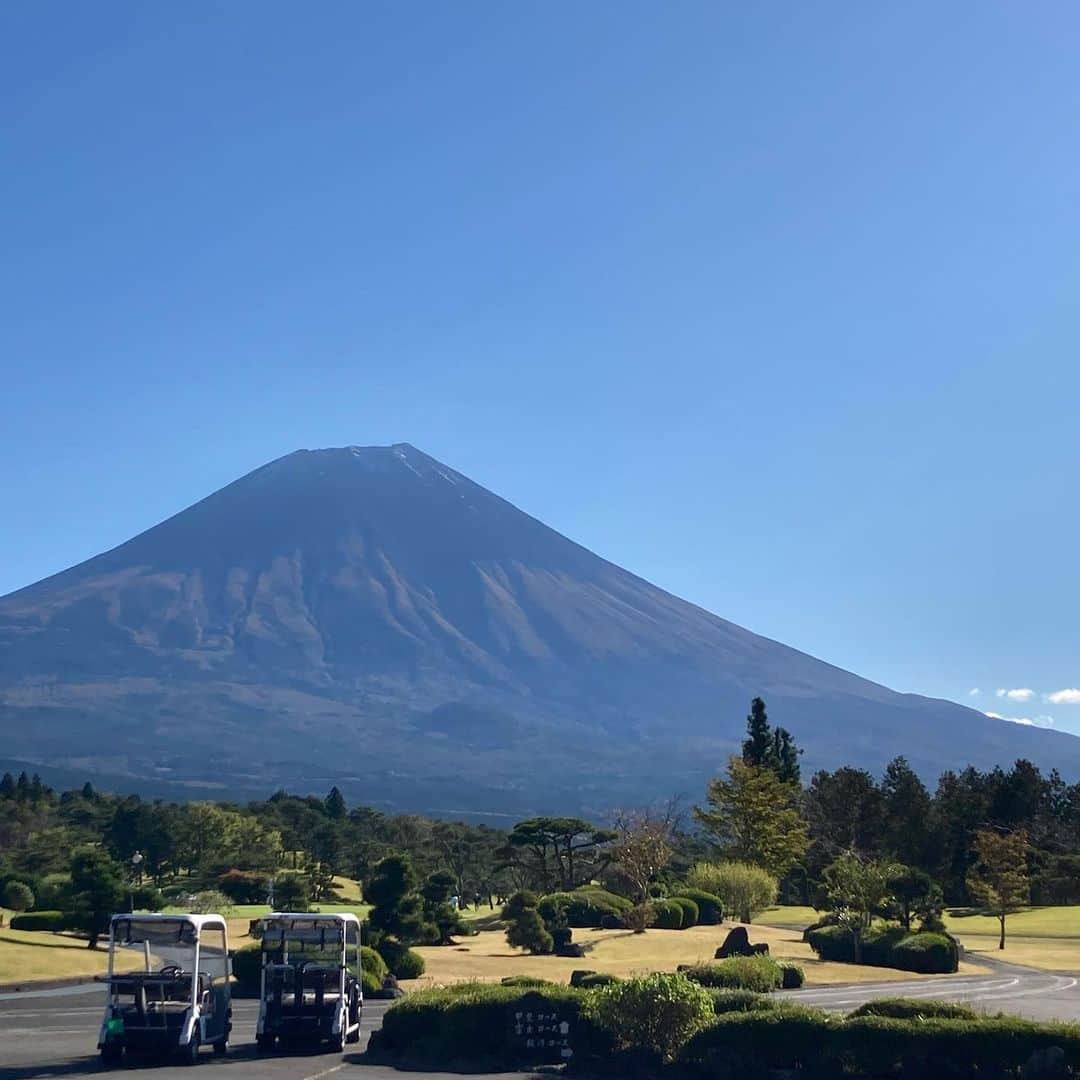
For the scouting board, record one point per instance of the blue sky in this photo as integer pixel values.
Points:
(773, 304)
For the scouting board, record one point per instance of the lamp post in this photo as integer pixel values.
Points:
(136, 862)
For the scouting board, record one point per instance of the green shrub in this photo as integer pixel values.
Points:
(710, 906)
(910, 1008)
(744, 889)
(649, 1017)
(927, 953)
(690, 911)
(792, 976)
(561, 936)
(148, 898)
(39, 920)
(371, 961)
(517, 903)
(757, 973)
(529, 981)
(401, 960)
(51, 891)
(244, 886)
(936, 1047)
(247, 966)
(370, 983)
(597, 978)
(585, 907)
(725, 1001)
(528, 931)
(744, 1044)
(894, 947)
(669, 916)
(472, 1024)
(747, 1044)
(613, 922)
(18, 896)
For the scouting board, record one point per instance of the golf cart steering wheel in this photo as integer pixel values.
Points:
(171, 969)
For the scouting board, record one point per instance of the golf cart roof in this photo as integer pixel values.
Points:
(342, 917)
(200, 922)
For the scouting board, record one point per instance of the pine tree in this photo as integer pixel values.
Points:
(758, 747)
(335, 804)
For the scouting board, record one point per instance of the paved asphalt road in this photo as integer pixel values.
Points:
(53, 1033)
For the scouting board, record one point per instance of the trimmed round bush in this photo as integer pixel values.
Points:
(913, 1008)
(38, 920)
(148, 898)
(669, 916)
(585, 907)
(369, 983)
(561, 936)
(690, 911)
(649, 1017)
(467, 1027)
(597, 978)
(527, 981)
(893, 947)
(371, 961)
(748, 1043)
(402, 961)
(612, 922)
(757, 973)
(18, 896)
(791, 976)
(247, 966)
(710, 906)
(725, 1001)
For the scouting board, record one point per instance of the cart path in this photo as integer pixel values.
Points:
(53, 1033)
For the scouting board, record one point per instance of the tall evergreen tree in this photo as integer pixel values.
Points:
(757, 749)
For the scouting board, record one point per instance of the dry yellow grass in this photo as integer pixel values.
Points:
(1060, 954)
(487, 957)
(32, 954)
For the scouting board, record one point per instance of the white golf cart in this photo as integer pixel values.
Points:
(311, 985)
(177, 998)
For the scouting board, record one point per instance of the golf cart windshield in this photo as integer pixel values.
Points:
(320, 941)
(172, 945)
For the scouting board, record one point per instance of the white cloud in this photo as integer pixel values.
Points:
(1021, 694)
(974, 692)
(1027, 721)
(1070, 696)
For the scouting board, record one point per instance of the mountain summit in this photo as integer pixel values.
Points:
(368, 616)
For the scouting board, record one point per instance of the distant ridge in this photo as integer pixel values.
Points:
(371, 617)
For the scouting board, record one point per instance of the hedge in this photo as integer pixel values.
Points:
(710, 907)
(473, 1025)
(756, 973)
(913, 1008)
(669, 916)
(38, 920)
(789, 1037)
(529, 981)
(893, 947)
(725, 1001)
(402, 961)
(584, 907)
(791, 975)
(690, 910)
(371, 961)
(247, 966)
(597, 978)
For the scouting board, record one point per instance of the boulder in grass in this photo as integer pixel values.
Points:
(737, 943)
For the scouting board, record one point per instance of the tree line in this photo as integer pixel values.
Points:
(757, 811)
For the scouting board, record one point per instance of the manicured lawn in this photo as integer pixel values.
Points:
(32, 954)
(787, 916)
(1043, 937)
(488, 957)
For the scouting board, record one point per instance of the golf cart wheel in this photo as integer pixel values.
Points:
(354, 1036)
(191, 1051)
(264, 1043)
(111, 1056)
(220, 1047)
